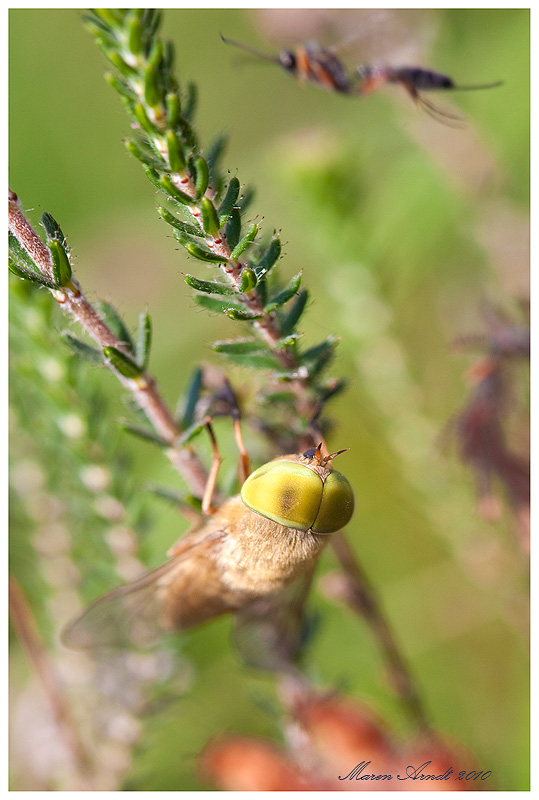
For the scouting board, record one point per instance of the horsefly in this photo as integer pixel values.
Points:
(253, 557)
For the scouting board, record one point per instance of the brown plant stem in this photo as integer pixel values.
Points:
(354, 589)
(32, 644)
(144, 387)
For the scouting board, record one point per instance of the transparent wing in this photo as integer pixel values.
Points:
(372, 34)
(382, 34)
(131, 614)
(270, 631)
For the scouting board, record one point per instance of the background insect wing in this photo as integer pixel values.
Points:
(334, 68)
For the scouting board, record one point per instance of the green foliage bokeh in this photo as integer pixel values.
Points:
(390, 217)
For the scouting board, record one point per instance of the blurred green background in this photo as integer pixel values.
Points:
(405, 229)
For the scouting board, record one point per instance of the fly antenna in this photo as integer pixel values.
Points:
(329, 458)
(252, 50)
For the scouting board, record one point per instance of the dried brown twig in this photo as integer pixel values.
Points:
(354, 589)
(30, 640)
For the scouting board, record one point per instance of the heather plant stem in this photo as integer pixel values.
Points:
(218, 245)
(266, 325)
(143, 387)
(209, 222)
(360, 596)
(30, 640)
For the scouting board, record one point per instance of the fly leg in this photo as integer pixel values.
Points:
(445, 117)
(244, 466)
(439, 114)
(229, 396)
(207, 507)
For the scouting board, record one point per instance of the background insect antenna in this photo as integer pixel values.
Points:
(252, 50)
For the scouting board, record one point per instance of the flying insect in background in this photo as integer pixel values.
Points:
(308, 62)
(320, 65)
(254, 557)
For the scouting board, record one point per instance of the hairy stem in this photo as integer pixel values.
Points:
(143, 387)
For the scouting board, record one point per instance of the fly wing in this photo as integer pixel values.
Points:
(270, 631)
(132, 614)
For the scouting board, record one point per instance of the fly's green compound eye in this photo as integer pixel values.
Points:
(337, 504)
(293, 495)
(284, 492)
